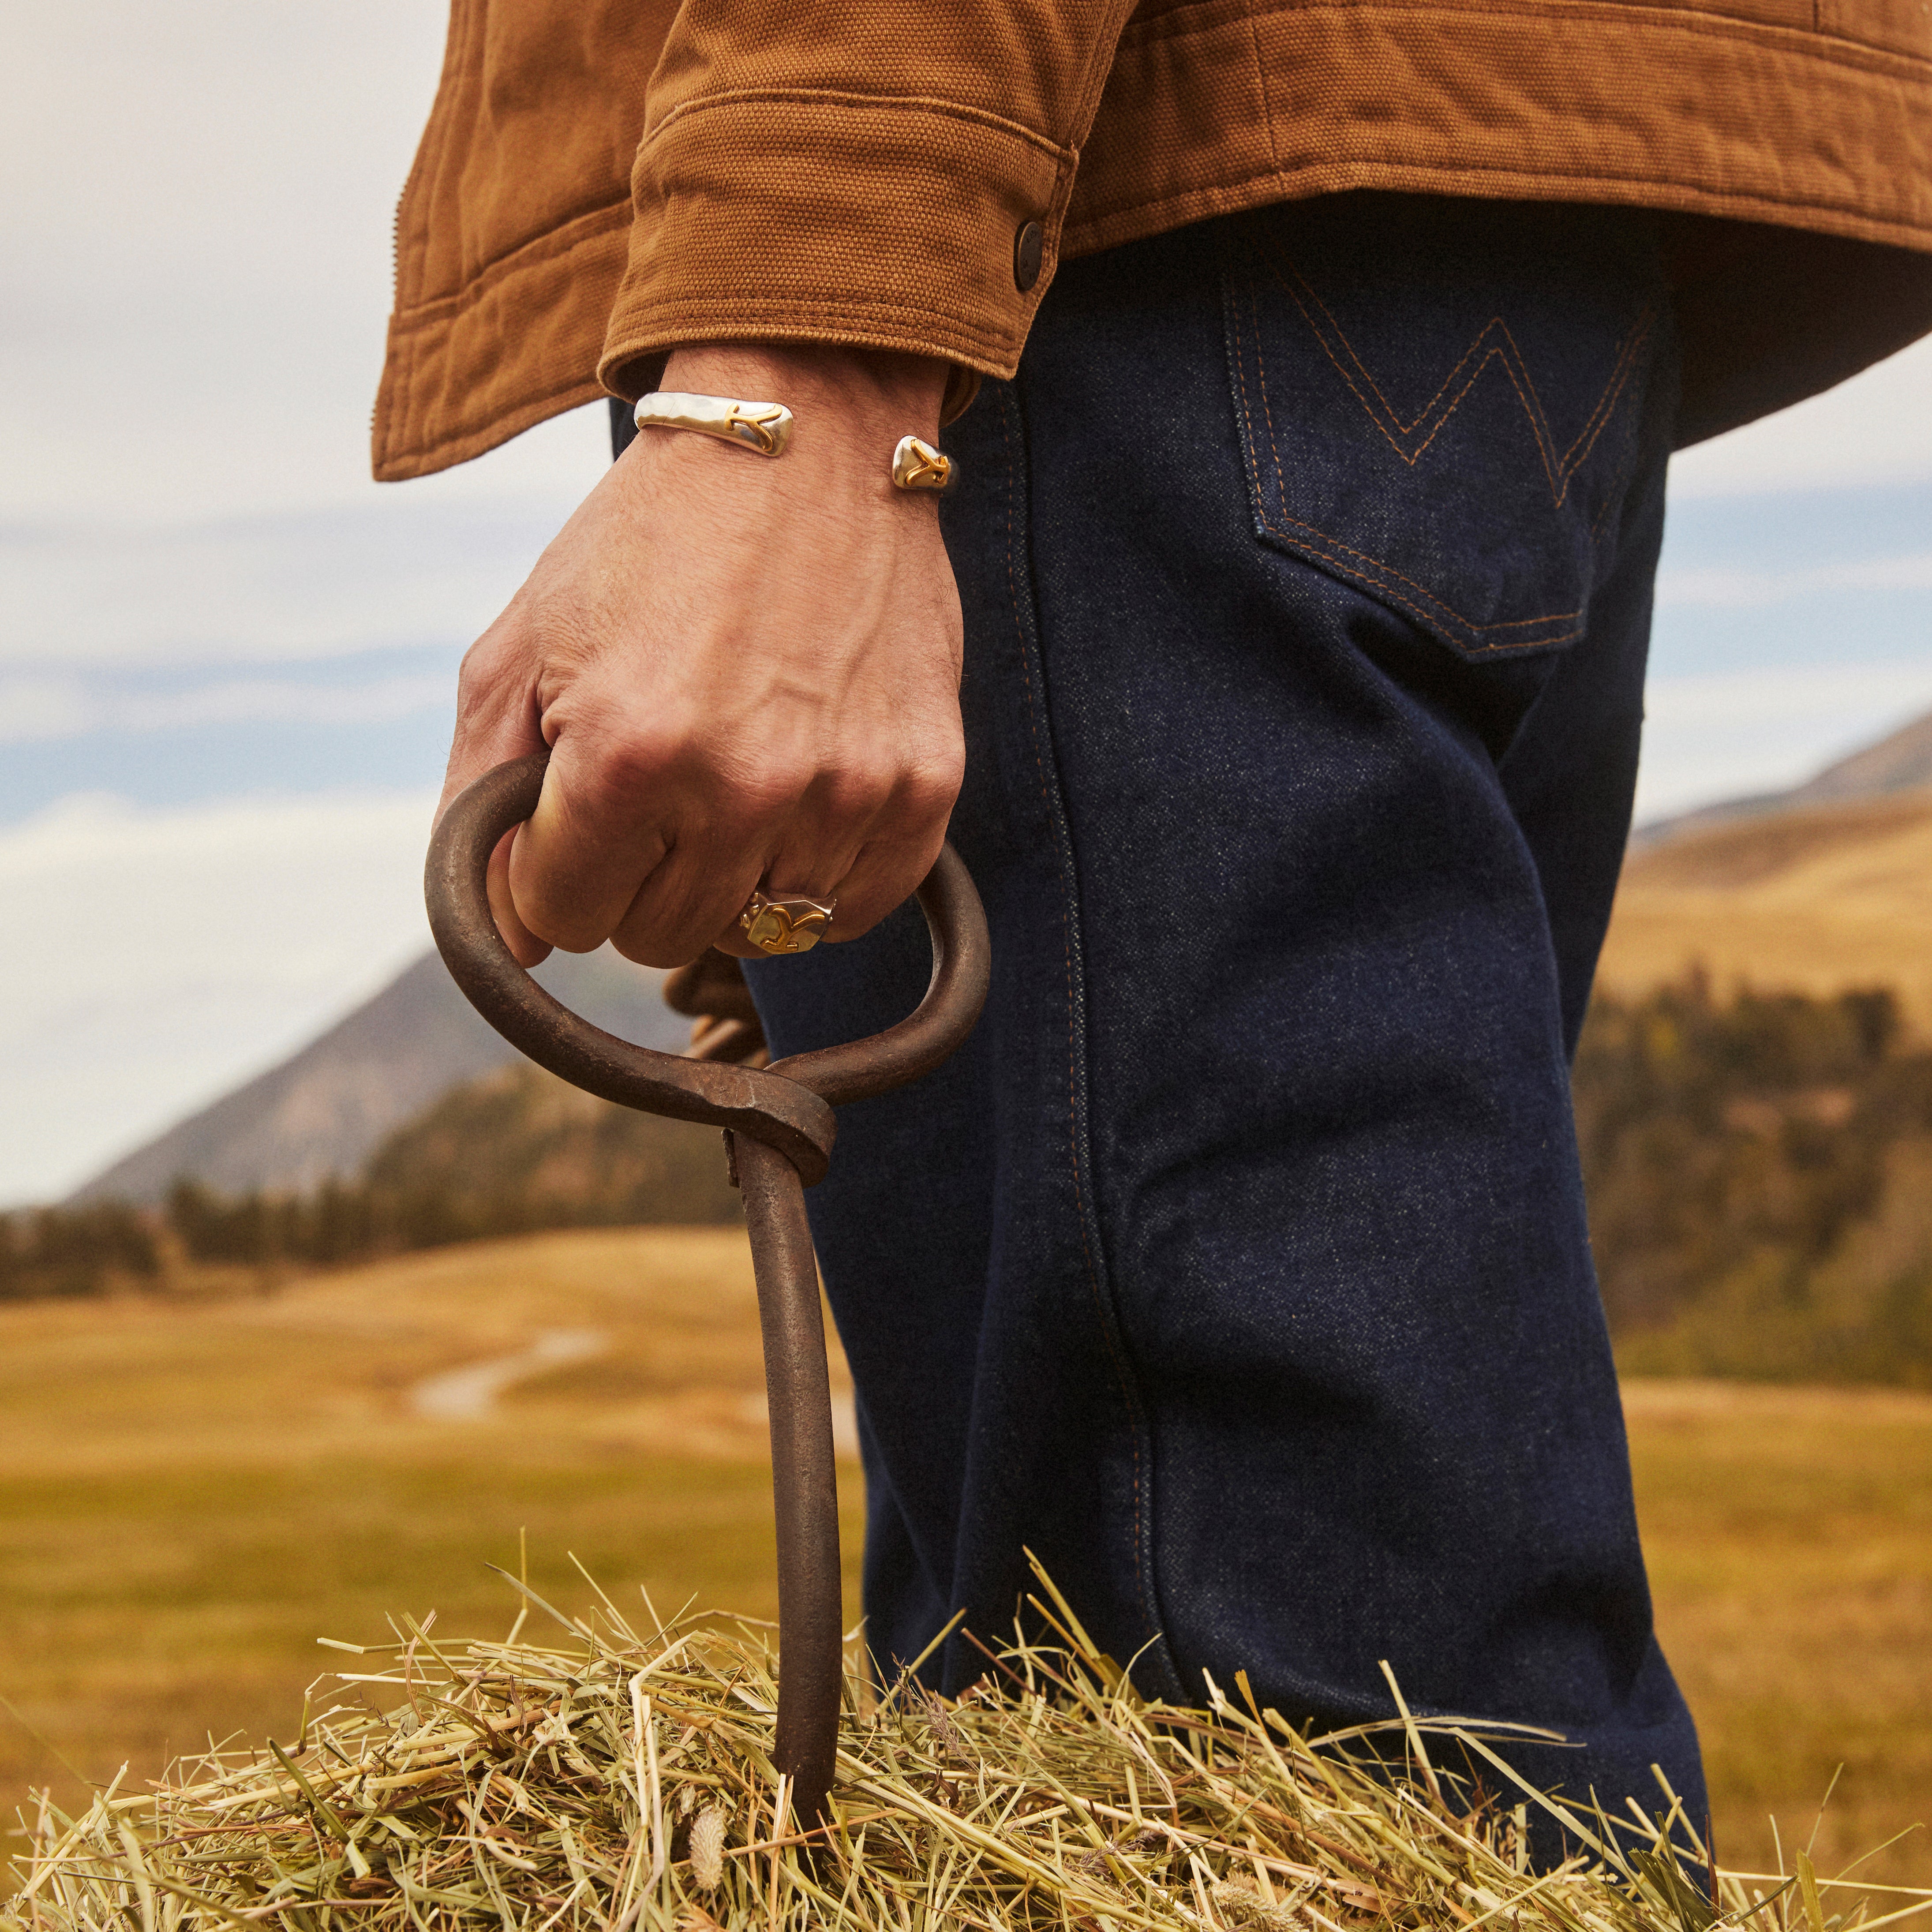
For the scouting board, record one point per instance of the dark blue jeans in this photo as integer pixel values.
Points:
(1237, 1268)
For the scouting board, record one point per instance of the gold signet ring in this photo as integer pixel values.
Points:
(794, 925)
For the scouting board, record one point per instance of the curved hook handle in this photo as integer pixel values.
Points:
(784, 1115)
(787, 1106)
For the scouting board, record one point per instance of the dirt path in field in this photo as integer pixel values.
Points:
(469, 1394)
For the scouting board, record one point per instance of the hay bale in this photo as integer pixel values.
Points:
(622, 1783)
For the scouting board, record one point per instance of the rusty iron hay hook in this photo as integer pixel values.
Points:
(780, 1125)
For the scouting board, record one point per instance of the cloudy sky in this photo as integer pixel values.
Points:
(226, 657)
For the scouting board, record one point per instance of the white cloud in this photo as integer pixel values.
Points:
(264, 590)
(1730, 735)
(1720, 587)
(37, 710)
(1875, 429)
(195, 254)
(156, 958)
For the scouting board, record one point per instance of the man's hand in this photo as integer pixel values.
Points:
(747, 671)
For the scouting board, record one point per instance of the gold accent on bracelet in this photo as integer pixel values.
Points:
(917, 465)
(764, 428)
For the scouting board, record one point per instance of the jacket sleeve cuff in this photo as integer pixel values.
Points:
(886, 223)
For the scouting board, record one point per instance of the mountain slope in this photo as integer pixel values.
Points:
(1814, 899)
(1826, 886)
(520, 1148)
(1900, 763)
(325, 1109)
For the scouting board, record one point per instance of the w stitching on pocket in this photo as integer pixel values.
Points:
(1380, 577)
(1558, 471)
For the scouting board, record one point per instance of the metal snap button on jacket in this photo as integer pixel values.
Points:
(1029, 245)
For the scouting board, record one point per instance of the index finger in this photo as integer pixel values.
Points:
(597, 835)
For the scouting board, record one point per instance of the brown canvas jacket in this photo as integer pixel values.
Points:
(601, 180)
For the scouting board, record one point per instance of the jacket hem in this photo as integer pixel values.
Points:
(1289, 101)
(516, 346)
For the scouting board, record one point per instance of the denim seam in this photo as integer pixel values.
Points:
(1077, 1148)
(1611, 400)
(1619, 490)
(1371, 571)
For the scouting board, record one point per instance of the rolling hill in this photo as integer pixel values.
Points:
(322, 1112)
(1826, 886)
(1901, 762)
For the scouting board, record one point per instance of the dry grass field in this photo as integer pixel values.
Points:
(1790, 1536)
(193, 1492)
(1816, 899)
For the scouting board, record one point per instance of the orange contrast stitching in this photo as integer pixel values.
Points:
(1375, 562)
(1558, 471)
(1567, 464)
(1607, 404)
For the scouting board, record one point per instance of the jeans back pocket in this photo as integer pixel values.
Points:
(1444, 403)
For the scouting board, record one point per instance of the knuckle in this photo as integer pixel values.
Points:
(551, 629)
(768, 794)
(482, 678)
(628, 763)
(931, 786)
(630, 757)
(863, 789)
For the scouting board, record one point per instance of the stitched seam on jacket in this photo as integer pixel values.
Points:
(1262, 92)
(1123, 1369)
(578, 231)
(684, 313)
(1650, 20)
(1103, 49)
(1367, 570)
(1792, 43)
(923, 106)
(427, 170)
(1180, 23)
(845, 304)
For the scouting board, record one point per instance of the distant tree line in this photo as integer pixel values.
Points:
(1758, 1171)
(66, 1251)
(512, 1153)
